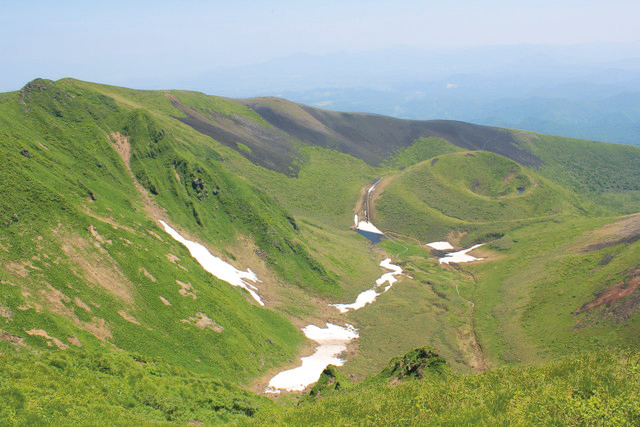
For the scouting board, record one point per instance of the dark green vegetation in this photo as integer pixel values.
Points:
(86, 269)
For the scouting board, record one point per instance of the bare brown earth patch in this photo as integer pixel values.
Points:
(16, 268)
(129, 318)
(165, 301)
(82, 305)
(187, 290)
(107, 220)
(619, 299)
(98, 237)
(173, 258)
(99, 328)
(470, 347)
(55, 298)
(75, 341)
(55, 301)
(123, 147)
(97, 268)
(5, 312)
(202, 321)
(147, 274)
(10, 338)
(50, 340)
(509, 177)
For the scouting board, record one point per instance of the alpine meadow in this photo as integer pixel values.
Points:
(173, 258)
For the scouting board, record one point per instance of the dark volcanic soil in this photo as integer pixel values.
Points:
(369, 137)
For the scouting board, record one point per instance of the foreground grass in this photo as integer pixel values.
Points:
(600, 389)
(91, 388)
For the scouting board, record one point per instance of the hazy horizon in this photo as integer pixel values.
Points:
(164, 42)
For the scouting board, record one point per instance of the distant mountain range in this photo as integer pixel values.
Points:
(589, 91)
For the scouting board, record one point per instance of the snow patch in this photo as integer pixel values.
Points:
(333, 340)
(440, 246)
(367, 226)
(370, 295)
(216, 266)
(460, 256)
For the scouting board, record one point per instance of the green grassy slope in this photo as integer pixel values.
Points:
(529, 299)
(606, 173)
(78, 387)
(88, 169)
(85, 264)
(473, 192)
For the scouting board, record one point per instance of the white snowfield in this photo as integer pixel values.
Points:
(333, 340)
(460, 256)
(440, 246)
(370, 295)
(216, 266)
(367, 226)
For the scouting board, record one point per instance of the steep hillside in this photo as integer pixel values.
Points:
(86, 264)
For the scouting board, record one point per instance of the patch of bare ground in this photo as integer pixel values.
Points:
(129, 318)
(107, 220)
(50, 340)
(147, 274)
(10, 338)
(154, 234)
(56, 300)
(620, 301)
(123, 147)
(75, 341)
(97, 268)
(174, 259)
(187, 290)
(164, 301)
(99, 328)
(509, 177)
(82, 305)
(20, 269)
(471, 349)
(5, 312)
(98, 237)
(202, 321)
(171, 257)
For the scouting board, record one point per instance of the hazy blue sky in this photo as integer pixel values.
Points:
(119, 41)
